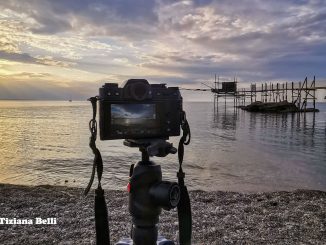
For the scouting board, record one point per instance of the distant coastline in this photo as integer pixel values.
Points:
(82, 100)
(41, 99)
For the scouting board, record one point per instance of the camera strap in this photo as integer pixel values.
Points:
(184, 208)
(101, 212)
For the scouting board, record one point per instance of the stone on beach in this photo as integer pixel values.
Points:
(218, 217)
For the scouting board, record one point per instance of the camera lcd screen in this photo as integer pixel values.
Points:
(134, 119)
(133, 111)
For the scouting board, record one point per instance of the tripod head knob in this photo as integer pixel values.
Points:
(152, 147)
(160, 148)
(165, 194)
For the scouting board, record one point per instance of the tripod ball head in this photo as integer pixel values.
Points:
(165, 194)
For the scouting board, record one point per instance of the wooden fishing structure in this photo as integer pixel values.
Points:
(297, 93)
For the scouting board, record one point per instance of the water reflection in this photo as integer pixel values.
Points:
(231, 149)
(280, 129)
(284, 129)
(224, 117)
(275, 151)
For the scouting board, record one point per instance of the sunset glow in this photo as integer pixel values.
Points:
(66, 49)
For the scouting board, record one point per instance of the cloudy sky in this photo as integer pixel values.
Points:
(59, 49)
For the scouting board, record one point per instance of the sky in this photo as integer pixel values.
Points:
(66, 49)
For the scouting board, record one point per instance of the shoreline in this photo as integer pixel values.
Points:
(219, 217)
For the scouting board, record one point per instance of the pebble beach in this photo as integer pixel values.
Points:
(295, 217)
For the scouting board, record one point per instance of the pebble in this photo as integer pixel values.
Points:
(218, 217)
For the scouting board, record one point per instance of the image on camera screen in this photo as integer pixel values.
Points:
(133, 111)
(133, 118)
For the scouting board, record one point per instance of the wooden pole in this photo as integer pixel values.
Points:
(265, 92)
(244, 97)
(292, 92)
(299, 96)
(306, 97)
(216, 90)
(314, 92)
(270, 92)
(255, 93)
(225, 100)
(234, 99)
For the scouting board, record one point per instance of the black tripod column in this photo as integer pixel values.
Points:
(144, 211)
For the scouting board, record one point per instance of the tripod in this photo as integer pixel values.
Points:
(148, 194)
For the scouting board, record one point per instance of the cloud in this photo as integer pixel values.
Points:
(26, 58)
(49, 60)
(8, 46)
(182, 42)
(114, 17)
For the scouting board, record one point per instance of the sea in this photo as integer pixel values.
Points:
(46, 143)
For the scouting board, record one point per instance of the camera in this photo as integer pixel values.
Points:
(139, 110)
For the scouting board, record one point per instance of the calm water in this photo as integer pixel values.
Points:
(47, 143)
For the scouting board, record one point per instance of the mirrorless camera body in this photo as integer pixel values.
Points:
(139, 110)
